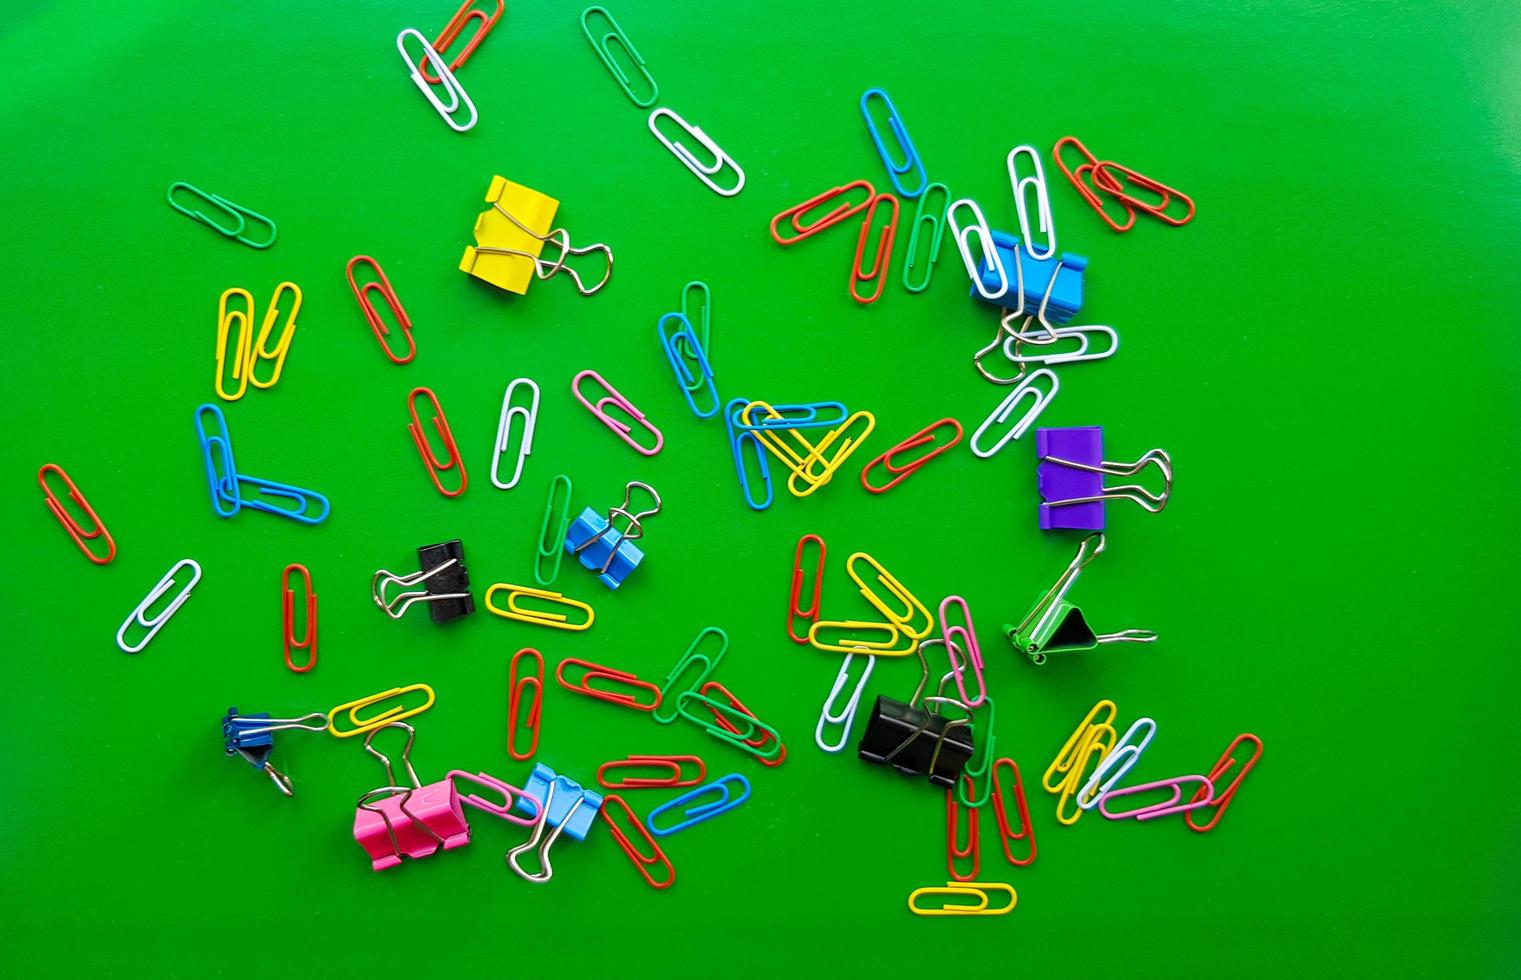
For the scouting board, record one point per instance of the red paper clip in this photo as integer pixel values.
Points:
(1089, 194)
(70, 524)
(811, 614)
(288, 604)
(829, 220)
(1005, 832)
(759, 742)
(1224, 796)
(902, 471)
(1104, 179)
(953, 851)
(435, 466)
(372, 315)
(672, 762)
(515, 686)
(642, 862)
(884, 257)
(616, 676)
(462, 16)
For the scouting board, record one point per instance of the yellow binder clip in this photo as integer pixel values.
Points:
(394, 713)
(510, 238)
(913, 611)
(558, 621)
(242, 357)
(979, 890)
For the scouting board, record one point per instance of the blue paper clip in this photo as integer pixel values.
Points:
(269, 488)
(599, 546)
(726, 801)
(1053, 287)
(673, 342)
(252, 737)
(737, 439)
(227, 484)
(911, 161)
(802, 415)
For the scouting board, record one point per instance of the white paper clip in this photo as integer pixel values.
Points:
(1019, 185)
(1006, 408)
(451, 86)
(985, 246)
(704, 174)
(1049, 336)
(1116, 763)
(157, 622)
(846, 717)
(530, 416)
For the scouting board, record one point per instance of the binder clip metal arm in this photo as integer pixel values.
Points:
(1055, 625)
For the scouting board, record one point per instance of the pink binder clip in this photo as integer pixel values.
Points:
(616, 399)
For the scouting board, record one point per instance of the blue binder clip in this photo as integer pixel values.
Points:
(558, 802)
(252, 737)
(1061, 275)
(604, 549)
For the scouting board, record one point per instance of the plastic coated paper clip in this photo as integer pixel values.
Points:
(559, 621)
(954, 849)
(926, 216)
(794, 611)
(738, 439)
(805, 226)
(674, 764)
(616, 399)
(1022, 187)
(592, 672)
(1201, 797)
(518, 682)
(642, 860)
(706, 664)
(1006, 408)
(228, 317)
(77, 531)
(961, 640)
(552, 533)
(754, 738)
(462, 17)
(1006, 833)
(978, 890)
(530, 417)
(900, 471)
(455, 92)
(394, 713)
(1220, 799)
(677, 344)
(1118, 761)
(691, 815)
(910, 163)
(987, 253)
(382, 285)
(611, 35)
(308, 643)
(452, 460)
(703, 172)
(238, 214)
(882, 260)
(843, 717)
(140, 616)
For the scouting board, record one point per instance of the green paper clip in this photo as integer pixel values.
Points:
(603, 52)
(552, 546)
(237, 211)
(702, 324)
(750, 727)
(1055, 625)
(982, 735)
(669, 693)
(935, 219)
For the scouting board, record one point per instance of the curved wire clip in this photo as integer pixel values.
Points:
(703, 172)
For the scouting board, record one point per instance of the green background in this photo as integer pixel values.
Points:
(1328, 352)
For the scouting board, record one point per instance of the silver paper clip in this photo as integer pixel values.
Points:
(559, 238)
(451, 86)
(633, 532)
(846, 717)
(1054, 335)
(1009, 404)
(530, 416)
(1019, 185)
(139, 615)
(1116, 763)
(704, 173)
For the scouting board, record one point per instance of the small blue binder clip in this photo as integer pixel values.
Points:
(604, 549)
(252, 737)
(557, 802)
(1036, 276)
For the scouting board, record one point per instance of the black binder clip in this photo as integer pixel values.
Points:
(915, 740)
(445, 582)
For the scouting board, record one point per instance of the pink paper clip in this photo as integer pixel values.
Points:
(969, 644)
(616, 399)
(1205, 793)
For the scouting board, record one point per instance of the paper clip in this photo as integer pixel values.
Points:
(453, 90)
(552, 537)
(382, 285)
(1048, 354)
(530, 417)
(434, 465)
(1010, 403)
(1020, 186)
(954, 849)
(1054, 625)
(845, 717)
(559, 621)
(934, 219)
(593, 671)
(988, 257)
(803, 415)
(1006, 834)
(1201, 797)
(1095, 743)
(963, 637)
(811, 614)
(829, 455)
(216, 454)
(756, 737)
(70, 523)
(1070, 477)
(243, 354)
(690, 383)
(978, 890)
(884, 256)
(642, 861)
(1117, 762)
(392, 714)
(708, 663)
(985, 740)
(726, 801)
(516, 685)
(913, 612)
(1104, 178)
(1066, 760)
(852, 641)
(738, 438)
(1075, 177)
(704, 173)
(283, 500)
(756, 743)
(604, 51)
(705, 319)
(140, 614)
(674, 763)
(451, 31)
(902, 471)
(237, 212)
(1220, 799)
(288, 613)
(614, 398)
(795, 214)
(911, 162)
(261, 350)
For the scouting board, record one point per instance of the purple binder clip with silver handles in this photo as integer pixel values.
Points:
(1071, 473)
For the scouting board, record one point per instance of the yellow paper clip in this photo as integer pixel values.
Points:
(1067, 757)
(956, 889)
(830, 463)
(556, 620)
(261, 349)
(1095, 745)
(394, 713)
(913, 609)
(852, 644)
(242, 358)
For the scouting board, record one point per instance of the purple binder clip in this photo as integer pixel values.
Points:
(1071, 473)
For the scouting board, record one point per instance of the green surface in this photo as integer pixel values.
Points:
(1327, 351)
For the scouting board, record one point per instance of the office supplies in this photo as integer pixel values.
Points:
(70, 523)
(261, 350)
(804, 480)
(1054, 625)
(987, 260)
(252, 739)
(1220, 799)
(959, 637)
(914, 620)
(802, 415)
(954, 849)
(1201, 797)
(978, 890)
(463, 16)
(444, 579)
(852, 639)
(843, 717)
(703, 321)
(551, 534)
(1111, 178)
(454, 92)
(452, 459)
(1119, 760)
(516, 685)
(882, 261)
(914, 740)
(703, 172)
(707, 663)
(238, 215)
(1006, 834)
(592, 672)
(530, 417)
(1021, 188)
(614, 33)
(538, 617)
(737, 439)
(902, 471)
(931, 216)
(1053, 287)
(642, 861)
(396, 712)
(510, 238)
(139, 616)
(1070, 476)
(724, 801)
(231, 491)
(1090, 740)
(602, 548)
(381, 284)
(910, 163)
(288, 615)
(674, 763)
(795, 214)
(690, 383)
(243, 353)
(1001, 337)
(557, 802)
(1049, 353)
(811, 614)
(1027, 387)
(985, 737)
(616, 399)
(756, 738)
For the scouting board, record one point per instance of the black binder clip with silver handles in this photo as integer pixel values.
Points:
(915, 740)
(444, 579)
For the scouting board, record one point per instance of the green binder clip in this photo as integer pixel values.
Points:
(1055, 625)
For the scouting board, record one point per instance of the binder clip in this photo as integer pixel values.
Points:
(916, 741)
(445, 581)
(602, 548)
(509, 240)
(252, 738)
(1055, 625)
(1053, 285)
(559, 803)
(1071, 478)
